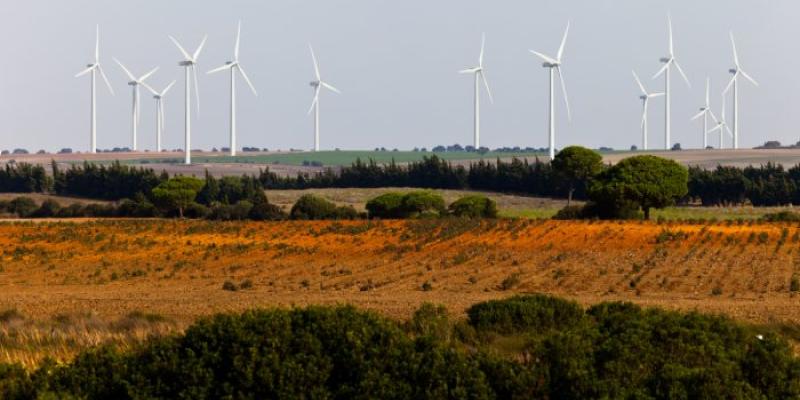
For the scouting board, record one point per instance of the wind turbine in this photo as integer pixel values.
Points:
(234, 66)
(479, 76)
(159, 96)
(705, 111)
(736, 71)
(94, 68)
(721, 125)
(135, 82)
(555, 64)
(190, 67)
(669, 61)
(317, 84)
(646, 96)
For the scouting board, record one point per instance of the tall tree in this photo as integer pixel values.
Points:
(575, 167)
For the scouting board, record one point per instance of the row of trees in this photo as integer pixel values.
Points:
(767, 185)
(561, 351)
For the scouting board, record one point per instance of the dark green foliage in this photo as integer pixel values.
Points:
(24, 178)
(265, 211)
(22, 206)
(48, 209)
(611, 350)
(474, 206)
(782, 216)
(312, 207)
(113, 182)
(422, 203)
(724, 186)
(177, 193)
(570, 212)
(575, 168)
(387, 205)
(640, 182)
(536, 313)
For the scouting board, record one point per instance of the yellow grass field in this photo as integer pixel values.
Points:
(70, 285)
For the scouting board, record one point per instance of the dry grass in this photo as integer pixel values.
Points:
(101, 271)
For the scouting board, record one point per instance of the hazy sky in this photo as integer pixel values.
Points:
(395, 63)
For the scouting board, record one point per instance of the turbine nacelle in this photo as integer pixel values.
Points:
(186, 63)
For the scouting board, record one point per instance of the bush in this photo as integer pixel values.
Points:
(140, 208)
(570, 212)
(312, 207)
(536, 313)
(264, 211)
(475, 206)
(781, 216)
(387, 205)
(48, 209)
(22, 206)
(423, 203)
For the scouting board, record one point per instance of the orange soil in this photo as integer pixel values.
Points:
(177, 268)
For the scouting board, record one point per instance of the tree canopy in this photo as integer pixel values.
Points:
(178, 192)
(576, 166)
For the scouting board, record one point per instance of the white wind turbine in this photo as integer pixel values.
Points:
(234, 66)
(555, 64)
(317, 85)
(645, 97)
(478, 72)
(736, 71)
(721, 125)
(159, 96)
(190, 67)
(669, 61)
(705, 111)
(134, 83)
(94, 68)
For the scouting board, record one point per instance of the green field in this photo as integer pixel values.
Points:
(338, 158)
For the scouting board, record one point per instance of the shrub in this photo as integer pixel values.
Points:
(22, 206)
(570, 212)
(781, 216)
(48, 209)
(430, 320)
(140, 208)
(264, 211)
(422, 203)
(312, 207)
(387, 205)
(474, 206)
(533, 313)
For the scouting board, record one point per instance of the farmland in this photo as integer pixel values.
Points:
(122, 280)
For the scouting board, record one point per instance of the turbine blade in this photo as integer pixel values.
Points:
(700, 114)
(664, 68)
(246, 79)
(544, 57)
(148, 87)
(486, 85)
(316, 99)
(727, 88)
(713, 117)
(483, 45)
(744, 74)
(199, 48)
(680, 70)
(730, 133)
(127, 72)
(236, 47)
(671, 41)
(147, 75)
(735, 53)
(638, 82)
(714, 129)
(330, 87)
(164, 93)
(105, 79)
(563, 43)
(222, 68)
(708, 88)
(316, 64)
(97, 45)
(469, 71)
(196, 87)
(564, 91)
(185, 53)
(86, 71)
(659, 94)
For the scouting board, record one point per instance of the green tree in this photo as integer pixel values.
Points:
(575, 167)
(640, 182)
(177, 193)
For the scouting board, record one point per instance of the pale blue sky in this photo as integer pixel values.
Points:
(396, 63)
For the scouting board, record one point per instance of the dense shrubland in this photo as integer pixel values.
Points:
(523, 347)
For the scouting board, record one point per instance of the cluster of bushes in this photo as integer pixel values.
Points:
(421, 204)
(612, 350)
(25, 207)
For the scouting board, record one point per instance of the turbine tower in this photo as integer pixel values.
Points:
(234, 66)
(736, 71)
(159, 96)
(554, 64)
(669, 61)
(645, 97)
(705, 111)
(478, 72)
(721, 125)
(134, 83)
(317, 84)
(189, 63)
(94, 68)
